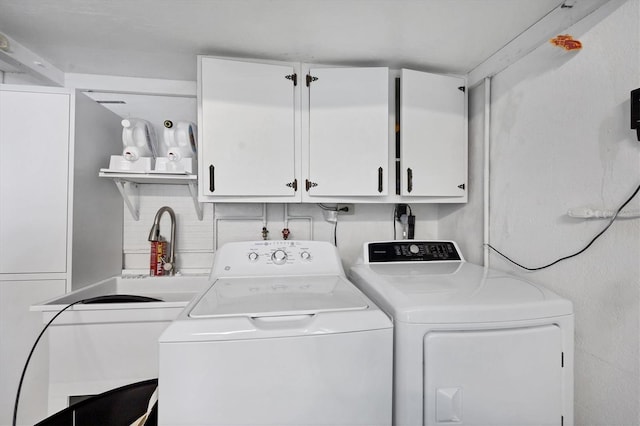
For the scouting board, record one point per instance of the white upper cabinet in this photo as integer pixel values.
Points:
(433, 135)
(247, 129)
(34, 176)
(348, 132)
(289, 132)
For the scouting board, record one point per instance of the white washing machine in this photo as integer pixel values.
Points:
(472, 346)
(281, 337)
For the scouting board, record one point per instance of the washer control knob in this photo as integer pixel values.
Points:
(279, 257)
(414, 249)
(305, 255)
(253, 256)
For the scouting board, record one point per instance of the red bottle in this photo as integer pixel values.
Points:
(158, 254)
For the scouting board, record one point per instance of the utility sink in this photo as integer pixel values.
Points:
(100, 346)
(170, 291)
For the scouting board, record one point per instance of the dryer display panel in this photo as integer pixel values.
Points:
(412, 251)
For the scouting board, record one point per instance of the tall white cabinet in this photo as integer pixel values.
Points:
(60, 225)
(34, 173)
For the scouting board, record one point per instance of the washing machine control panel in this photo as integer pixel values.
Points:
(412, 251)
(276, 257)
(279, 255)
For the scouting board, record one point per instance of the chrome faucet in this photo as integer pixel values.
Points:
(154, 235)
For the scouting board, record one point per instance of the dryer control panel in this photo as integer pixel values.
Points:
(412, 251)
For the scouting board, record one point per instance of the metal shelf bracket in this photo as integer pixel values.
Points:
(193, 190)
(130, 195)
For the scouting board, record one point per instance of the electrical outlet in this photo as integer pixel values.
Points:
(345, 209)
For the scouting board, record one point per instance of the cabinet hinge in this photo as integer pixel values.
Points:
(293, 77)
(293, 184)
(462, 186)
(308, 184)
(310, 78)
(462, 89)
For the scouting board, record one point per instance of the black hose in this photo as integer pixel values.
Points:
(26, 364)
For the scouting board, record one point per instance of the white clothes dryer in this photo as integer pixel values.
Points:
(281, 337)
(472, 346)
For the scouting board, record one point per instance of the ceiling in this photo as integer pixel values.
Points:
(161, 38)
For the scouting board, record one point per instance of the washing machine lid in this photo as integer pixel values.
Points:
(455, 292)
(242, 308)
(278, 296)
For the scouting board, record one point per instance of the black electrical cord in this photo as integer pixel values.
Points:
(613, 218)
(393, 220)
(33, 348)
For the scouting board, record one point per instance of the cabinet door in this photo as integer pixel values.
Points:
(247, 129)
(433, 135)
(19, 328)
(34, 173)
(348, 131)
(515, 371)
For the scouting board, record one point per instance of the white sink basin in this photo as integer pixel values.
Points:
(100, 346)
(174, 294)
(178, 289)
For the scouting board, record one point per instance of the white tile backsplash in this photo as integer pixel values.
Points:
(194, 238)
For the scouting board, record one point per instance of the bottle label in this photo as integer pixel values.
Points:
(158, 253)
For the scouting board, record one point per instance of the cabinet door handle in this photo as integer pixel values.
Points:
(409, 180)
(380, 173)
(212, 180)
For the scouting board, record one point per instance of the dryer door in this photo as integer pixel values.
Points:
(493, 377)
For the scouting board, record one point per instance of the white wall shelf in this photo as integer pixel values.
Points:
(127, 184)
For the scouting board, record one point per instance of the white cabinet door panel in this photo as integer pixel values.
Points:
(34, 174)
(349, 131)
(494, 377)
(433, 135)
(247, 130)
(19, 329)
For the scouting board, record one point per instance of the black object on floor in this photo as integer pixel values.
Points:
(117, 407)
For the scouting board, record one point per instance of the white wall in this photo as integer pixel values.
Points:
(560, 139)
(18, 78)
